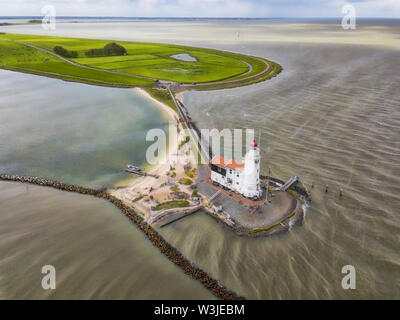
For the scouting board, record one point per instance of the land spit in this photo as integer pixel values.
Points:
(241, 215)
(253, 218)
(156, 239)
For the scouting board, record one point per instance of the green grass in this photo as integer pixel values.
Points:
(162, 96)
(189, 174)
(18, 57)
(143, 64)
(186, 140)
(138, 198)
(171, 204)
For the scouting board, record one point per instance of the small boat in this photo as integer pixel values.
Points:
(134, 168)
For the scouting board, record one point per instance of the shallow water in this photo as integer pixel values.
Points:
(333, 117)
(184, 57)
(111, 260)
(76, 133)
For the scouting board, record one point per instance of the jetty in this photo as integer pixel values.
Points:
(140, 173)
(173, 254)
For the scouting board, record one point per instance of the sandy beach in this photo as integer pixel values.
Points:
(172, 167)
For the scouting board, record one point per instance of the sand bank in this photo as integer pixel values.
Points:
(170, 169)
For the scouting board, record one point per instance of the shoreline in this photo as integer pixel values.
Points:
(172, 254)
(174, 157)
(145, 193)
(170, 115)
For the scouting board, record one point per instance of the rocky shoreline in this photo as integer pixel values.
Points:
(294, 219)
(157, 240)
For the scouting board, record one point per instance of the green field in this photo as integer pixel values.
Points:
(142, 64)
(172, 204)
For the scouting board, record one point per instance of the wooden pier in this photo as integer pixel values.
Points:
(143, 174)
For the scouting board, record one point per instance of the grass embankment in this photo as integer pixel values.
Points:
(18, 57)
(141, 65)
(172, 204)
(162, 96)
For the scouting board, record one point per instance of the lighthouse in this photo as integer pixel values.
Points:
(250, 186)
(243, 178)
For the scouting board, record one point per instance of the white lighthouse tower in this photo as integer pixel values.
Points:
(250, 184)
(243, 178)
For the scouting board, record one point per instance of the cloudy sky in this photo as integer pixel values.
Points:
(202, 8)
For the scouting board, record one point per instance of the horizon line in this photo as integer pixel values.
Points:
(170, 17)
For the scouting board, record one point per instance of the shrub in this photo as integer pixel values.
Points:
(110, 49)
(195, 192)
(95, 53)
(65, 53)
(113, 49)
(189, 174)
(187, 181)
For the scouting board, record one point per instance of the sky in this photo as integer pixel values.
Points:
(202, 8)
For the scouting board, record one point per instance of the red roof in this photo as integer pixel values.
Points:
(227, 163)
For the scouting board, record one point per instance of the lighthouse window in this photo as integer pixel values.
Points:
(219, 170)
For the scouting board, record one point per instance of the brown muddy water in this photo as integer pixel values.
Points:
(97, 252)
(332, 117)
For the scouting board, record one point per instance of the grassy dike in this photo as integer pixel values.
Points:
(141, 66)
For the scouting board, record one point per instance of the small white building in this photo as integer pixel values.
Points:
(243, 178)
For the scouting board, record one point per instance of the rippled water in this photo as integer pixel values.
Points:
(97, 252)
(333, 117)
(74, 132)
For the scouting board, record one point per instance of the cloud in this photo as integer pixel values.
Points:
(202, 8)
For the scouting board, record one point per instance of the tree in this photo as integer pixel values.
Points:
(110, 49)
(65, 53)
(113, 49)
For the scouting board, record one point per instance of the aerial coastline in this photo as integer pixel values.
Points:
(143, 184)
(326, 118)
(168, 188)
(171, 183)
